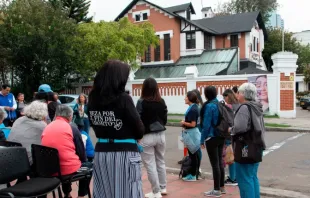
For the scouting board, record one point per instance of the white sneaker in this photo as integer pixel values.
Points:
(152, 195)
(163, 191)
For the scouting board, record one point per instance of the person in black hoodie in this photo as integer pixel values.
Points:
(118, 127)
(153, 111)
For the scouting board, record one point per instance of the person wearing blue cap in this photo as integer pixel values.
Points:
(8, 102)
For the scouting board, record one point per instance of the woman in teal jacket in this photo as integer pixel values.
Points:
(80, 111)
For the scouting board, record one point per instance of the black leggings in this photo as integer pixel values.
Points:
(215, 151)
(195, 163)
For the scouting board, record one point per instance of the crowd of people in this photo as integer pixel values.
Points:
(130, 134)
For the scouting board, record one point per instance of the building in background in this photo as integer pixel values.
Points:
(275, 21)
(303, 37)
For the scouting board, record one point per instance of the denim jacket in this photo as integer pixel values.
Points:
(210, 118)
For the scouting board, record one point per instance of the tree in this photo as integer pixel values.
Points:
(98, 42)
(241, 6)
(274, 45)
(75, 9)
(38, 38)
(306, 73)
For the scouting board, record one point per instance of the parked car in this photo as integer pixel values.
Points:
(69, 99)
(304, 102)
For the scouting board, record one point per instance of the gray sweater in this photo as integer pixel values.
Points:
(27, 131)
(242, 121)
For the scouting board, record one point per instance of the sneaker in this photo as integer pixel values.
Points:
(223, 191)
(230, 182)
(213, 193)
(152, 195)
(189, 178)
(164, 191)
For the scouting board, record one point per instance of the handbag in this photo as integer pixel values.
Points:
(156, 127)
(229, 155)
(247, 147)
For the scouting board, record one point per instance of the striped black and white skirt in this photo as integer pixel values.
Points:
(117, 175)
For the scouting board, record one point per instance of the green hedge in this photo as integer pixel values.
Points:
(301, 94)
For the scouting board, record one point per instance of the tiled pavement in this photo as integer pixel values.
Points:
(177, 188)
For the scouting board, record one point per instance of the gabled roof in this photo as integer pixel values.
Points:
(235, 23)
(182, 7)
(134, 2)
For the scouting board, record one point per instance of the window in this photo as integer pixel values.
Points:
(167, 47)
(234, 40)
(254, 44)
(191, 40)
(148, 54)
(208, 42)
(206, 15)
(145, 17)
(157, 53)
(138, 17)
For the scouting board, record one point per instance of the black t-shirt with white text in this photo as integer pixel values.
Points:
(192, 115)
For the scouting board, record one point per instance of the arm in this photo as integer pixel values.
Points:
(134, 118)
(191, 117)
(139, 106)
(78, 142)
(14, 103)
(241, 121)
(210, 115)
(165, 116)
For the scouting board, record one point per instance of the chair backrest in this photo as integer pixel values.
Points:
(14, 163)
(10, 144)
(45, 161)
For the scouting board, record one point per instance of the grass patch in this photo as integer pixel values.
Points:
(175, 114)
(277, 125)
(174, 120)
(271, 116)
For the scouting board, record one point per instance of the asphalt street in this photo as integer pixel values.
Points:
(285, 164)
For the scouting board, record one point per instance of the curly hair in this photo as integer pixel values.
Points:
(36, 110)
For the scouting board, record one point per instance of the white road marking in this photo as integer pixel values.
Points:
(279, 145)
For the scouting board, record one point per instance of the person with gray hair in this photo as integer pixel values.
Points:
(28, 129)
(67, 139)
(248, 140)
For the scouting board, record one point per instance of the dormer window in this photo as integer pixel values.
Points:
(138, 17)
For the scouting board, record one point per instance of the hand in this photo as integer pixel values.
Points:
(7, 108)
(229, 129)
(182, 122)
(12, 109)
(202, 146)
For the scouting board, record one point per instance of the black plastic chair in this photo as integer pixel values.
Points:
(14, 164)
(10, 144)
(46, 164)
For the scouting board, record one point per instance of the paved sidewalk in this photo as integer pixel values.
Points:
(177, 188)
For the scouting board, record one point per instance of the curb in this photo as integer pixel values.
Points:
(273, 129)
(264, 191)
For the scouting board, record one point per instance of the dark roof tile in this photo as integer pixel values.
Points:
(182, 7)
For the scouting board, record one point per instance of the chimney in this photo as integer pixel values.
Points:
(207, 12)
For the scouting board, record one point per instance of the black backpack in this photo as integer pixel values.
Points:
(225, 119)
(185, 168)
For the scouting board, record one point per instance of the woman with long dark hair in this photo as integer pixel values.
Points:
(80, 111)
(231, 101)
(153, 112)
(212, 141)
(190, 134)
(117, 125)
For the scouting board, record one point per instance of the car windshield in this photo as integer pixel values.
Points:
(65, 99)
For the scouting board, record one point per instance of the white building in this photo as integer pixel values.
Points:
(303, 37)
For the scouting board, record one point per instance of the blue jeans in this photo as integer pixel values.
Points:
(86, 125)
(246, 175)
(232, 171)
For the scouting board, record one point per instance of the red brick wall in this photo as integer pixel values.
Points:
(223, 42)
(165, 89)
(162, 23)
(286, 96)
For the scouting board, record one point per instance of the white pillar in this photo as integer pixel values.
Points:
(284, 67)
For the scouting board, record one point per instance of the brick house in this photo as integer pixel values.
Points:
(214, 44)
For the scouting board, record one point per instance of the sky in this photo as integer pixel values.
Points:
(295, 13)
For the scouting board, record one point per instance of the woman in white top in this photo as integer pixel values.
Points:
(80, 111)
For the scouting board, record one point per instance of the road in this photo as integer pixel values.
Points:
(285, 164)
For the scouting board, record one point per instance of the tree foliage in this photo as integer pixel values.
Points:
(274, 45)
(37, 36)
(75, 9)
(99, 42)
(241, 6)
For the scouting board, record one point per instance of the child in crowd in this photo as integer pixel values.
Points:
(90, 151)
